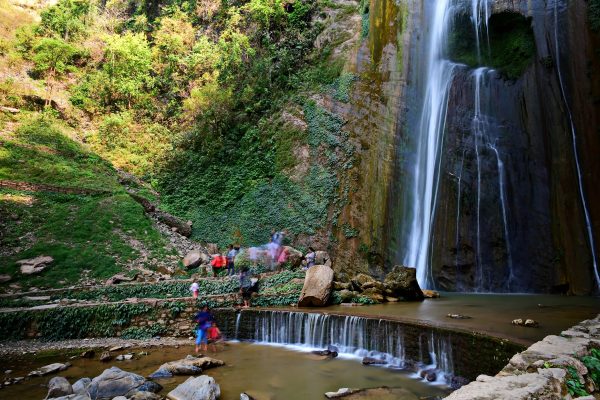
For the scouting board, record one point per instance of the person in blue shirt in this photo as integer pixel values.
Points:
(204, 320)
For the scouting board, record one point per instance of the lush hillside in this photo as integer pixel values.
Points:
(216, 104)
(77, 213)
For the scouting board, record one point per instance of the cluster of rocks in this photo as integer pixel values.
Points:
(541, 371)
(35, 265)
(399, 284)
(116, 384)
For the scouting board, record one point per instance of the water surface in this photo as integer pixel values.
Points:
(266, 372)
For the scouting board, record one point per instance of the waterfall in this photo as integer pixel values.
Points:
(425, 172)
(354, 337)
(588, 221)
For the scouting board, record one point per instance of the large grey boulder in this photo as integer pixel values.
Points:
(194, 258)
(58, 386)
(402, 282)
(81, 386)
(49, 369)
(115, 382)
(34, 265)
(317, 286)
(547, 384)
(202, 387)
(188, 366)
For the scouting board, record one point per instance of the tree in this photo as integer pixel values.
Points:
(126, 69)
(66, 19)
(53, 58)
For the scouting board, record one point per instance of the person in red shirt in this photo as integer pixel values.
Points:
(218, 261)
(214, 336)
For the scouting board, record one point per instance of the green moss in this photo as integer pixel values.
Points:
(511, 44)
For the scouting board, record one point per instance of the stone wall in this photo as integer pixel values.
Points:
(540, 372)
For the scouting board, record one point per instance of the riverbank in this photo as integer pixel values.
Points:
(33, 347)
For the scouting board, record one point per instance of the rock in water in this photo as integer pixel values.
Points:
(81, 386)
(106, 356)
(373, 361)
(59, 386)
(115, 382)
(402, 282)
(74, 397)
(317, 286)
(49, 369)
(188, 366)
(34, 265)
(246, 396)
(199, 388)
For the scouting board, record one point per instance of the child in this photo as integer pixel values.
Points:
(214, 336)
(194, 289)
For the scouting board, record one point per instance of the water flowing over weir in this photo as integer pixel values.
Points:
(410, 346)
(354, 336)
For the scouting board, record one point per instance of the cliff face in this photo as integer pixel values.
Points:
(509, 215)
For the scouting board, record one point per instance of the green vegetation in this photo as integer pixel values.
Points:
(81, 232)
(511, 44)
(206, 101)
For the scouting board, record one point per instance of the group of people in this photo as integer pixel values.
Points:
(226, 260)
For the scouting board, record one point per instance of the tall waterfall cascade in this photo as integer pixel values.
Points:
(425, 172)
(481, 235)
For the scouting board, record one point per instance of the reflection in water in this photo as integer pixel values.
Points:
(266, 372)
(491, 313)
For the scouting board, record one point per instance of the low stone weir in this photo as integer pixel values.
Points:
(400, 344)
(544, 370)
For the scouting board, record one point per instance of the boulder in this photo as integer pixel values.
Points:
(188, 366)
(402, 282)
(373, 361)
(317, 286)
(49, 369)
(358, 281)
(5, 278)
(342, 392)
(322, 258)
(294, 256)
(342, 285)
(118, 278)
(202, 387)
(106, 356)
(246, 396)
(346, 295)
(88, 354)
(374, 294)
(81, 386)
(430, 294)
(59, 386)
(115, 382)
(34, 265)
(194, 258)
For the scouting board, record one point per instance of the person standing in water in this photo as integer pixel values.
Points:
(204, 321)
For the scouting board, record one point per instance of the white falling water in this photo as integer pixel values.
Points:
(588, 222)
(480, 15)
(479, 128)
(501, 180)
(354, 337)
(425, 175)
